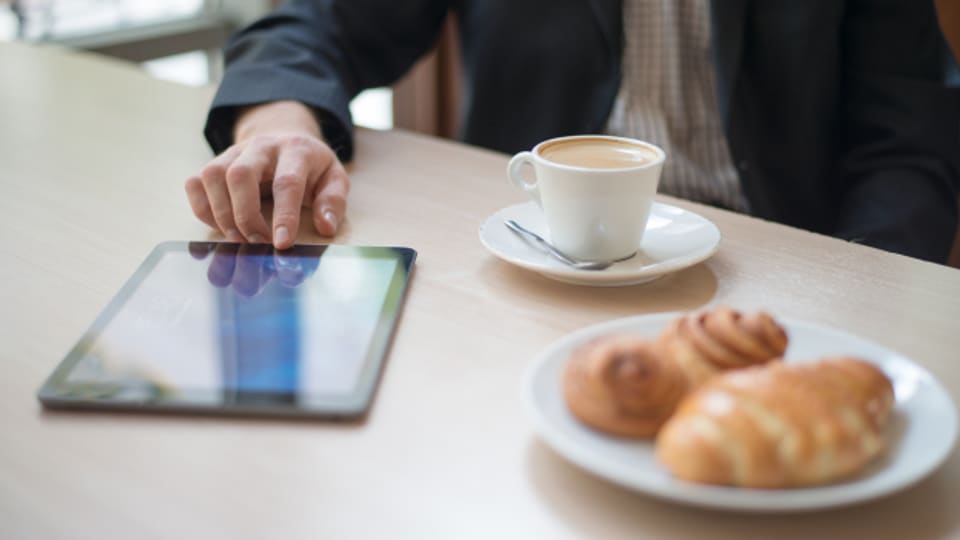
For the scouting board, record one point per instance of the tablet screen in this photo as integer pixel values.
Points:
(242, 328)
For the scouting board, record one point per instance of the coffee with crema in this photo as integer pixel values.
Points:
(598, 153)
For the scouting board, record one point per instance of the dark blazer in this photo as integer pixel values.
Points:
(835, 111)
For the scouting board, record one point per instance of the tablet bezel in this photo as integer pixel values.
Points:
(58, 393)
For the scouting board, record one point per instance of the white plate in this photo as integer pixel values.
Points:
(922, 433)
(675, 239)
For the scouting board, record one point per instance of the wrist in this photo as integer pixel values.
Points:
(275, 117)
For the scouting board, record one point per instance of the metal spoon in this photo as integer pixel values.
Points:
(579, 265)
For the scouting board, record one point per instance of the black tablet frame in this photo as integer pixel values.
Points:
(57, 392)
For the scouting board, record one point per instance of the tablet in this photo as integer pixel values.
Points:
(217, 327)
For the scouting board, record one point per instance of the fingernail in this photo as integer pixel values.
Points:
(233, 236)
(257, 239)
(281, 235)
(330, 217)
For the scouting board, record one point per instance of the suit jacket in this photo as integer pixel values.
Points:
(835, 111)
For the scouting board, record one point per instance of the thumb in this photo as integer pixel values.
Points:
(330, 201)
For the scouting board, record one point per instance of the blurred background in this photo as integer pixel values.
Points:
(176, 40)
(181, 40)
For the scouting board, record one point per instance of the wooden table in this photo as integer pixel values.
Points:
(93, 155)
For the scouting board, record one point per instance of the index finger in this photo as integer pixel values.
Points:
(289, 185)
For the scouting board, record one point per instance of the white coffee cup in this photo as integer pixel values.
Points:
(595, 191)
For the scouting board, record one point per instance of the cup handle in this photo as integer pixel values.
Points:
(513, 173)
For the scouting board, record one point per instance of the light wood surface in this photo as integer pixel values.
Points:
(93, 155)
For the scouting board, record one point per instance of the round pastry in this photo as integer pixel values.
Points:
(721, 339)
(623, 385)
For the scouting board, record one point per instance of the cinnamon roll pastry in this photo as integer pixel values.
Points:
(721, 339)
(623, 385)
(780, 425)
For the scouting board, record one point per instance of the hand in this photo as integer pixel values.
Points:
(249, 268)
(278, 151)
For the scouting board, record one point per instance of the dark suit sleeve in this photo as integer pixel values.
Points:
(321, 53)
(901, 128)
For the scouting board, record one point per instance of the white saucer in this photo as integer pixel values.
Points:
(675, 239)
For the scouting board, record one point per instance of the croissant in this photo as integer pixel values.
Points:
(721, 339)
(780, 425)
(623, 385)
